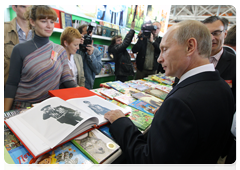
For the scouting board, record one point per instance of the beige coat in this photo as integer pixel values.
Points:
(10, 40)
(79, 65)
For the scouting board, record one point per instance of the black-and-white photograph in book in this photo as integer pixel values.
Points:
(96, 106)
(62, 114)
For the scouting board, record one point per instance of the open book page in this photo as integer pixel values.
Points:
(96, 106)
(47, 124)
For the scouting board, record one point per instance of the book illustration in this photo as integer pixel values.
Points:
(157, 93)
(20, 155)
(141, 119)
(112, 65)
(98, 109)
(144, 106)
(129, 90)
(97, 145)
(62, 114)
(39, 135)
(110, 93)
(66, 154)
(117, 85)
(125, 99)
(98, 90)
(10, 141)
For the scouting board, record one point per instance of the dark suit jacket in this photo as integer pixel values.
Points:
(227, 48)
(191, 127)
(227, 68)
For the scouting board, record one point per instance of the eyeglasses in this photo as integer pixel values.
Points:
(217, 33)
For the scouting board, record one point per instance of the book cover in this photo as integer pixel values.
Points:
(106, 31)
(112, 65)
(144, 106)
(106, 55)
(10, 141)
(20, 155)
(105, 130)
(55, 121)
(110, 93)
(57, 23)
(99, 30)
(68, 153)
(164, 88)
(98, 90)
(157, 93)
(117, 85)
(68, 20)
(141, 119)
(105, 85)
(69, 93)
(148, 98)
(125, 99)
(96, 145)
(63, 19)
(129, 90)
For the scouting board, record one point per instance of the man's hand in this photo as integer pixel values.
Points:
(82, 40)
(132, 25)
(151, 38)
(90, 49)
(114, 115)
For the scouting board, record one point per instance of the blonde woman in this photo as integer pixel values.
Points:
(70, 40)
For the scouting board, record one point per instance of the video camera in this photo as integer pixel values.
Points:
(147, 29)
(87, 37)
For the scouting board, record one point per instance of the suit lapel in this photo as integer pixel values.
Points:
(205, 76)
(223, 63)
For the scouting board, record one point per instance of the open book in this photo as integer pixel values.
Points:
(55, 121)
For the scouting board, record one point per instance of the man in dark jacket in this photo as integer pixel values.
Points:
(118, 48)
(148, 52)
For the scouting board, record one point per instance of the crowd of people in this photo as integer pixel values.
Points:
(194, 123)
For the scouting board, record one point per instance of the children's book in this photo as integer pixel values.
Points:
(148, 98)
(141, 119)
(68, 153)
(97, 146)
(20, 155)
(110, 93)
(55, 121)
(106, 55)
(98, 90)
(144, 106)
(105, 85)
(157, 93)
(129, 90)
(125, 99)
(117, 85)
(10, 140)
(164, 88)
(105, 130)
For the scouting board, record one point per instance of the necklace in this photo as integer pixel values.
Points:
(35, 44)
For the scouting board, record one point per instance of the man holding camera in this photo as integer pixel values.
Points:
(147, 49)
(91, 56)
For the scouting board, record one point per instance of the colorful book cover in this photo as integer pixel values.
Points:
(20, 155)
(105, 85)
(144, 106)
(98, 90)
(99, 30)
(105, 130)
(63, 20)
(112, 65)
(57, 23)
(110, 93)
(125, 99)
(164, 88)
(11, 141)
(68, 20)
(97, 146)
(106, 55)
(141, 119)
(129, 90)
(118, 85)
(157, 93)
(68, 153)
(148, 98)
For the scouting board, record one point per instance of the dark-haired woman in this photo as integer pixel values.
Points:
(38, 65)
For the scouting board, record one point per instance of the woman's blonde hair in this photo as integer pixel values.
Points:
(69, 34)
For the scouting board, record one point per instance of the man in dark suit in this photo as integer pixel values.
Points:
(224, 61)
(230, 40)
(194, 121)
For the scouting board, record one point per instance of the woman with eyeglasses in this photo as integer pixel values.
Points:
(38, 65)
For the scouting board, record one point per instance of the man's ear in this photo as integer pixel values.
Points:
(191, 46)
(14, 7)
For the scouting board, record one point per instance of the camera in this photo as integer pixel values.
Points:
(87, 38)
(147, 28)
